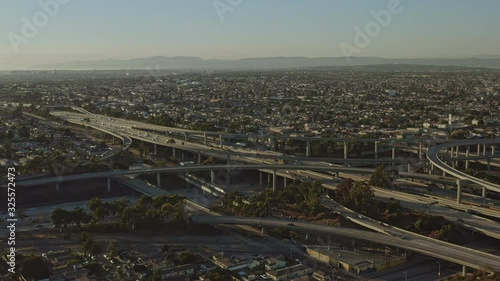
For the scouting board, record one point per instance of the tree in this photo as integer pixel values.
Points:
(362, 197)
(112, 249)
(380, 178)
(79, 216)
(358, 196)
(144, 202)
(167, 209)
(186, 257)
(343, 192)
(95, 249)
(24, 132)
(34, 267)
(156, 276)
(94, 203)
(130, 216)
(61, 217)
(100, 213)
(87, 244)
(117, 206)
(165, 248)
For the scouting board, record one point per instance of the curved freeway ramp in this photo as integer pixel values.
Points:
(426, 246)
(432, 155)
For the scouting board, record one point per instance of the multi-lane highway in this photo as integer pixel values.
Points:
(300, 172)
(432, 155)
(430, 247)
(266, 161)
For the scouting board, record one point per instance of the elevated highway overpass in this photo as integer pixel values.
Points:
(462, 178)
(245, 157)
(176, 169)
(423, 245)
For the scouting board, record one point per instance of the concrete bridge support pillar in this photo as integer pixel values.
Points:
(260, 178)
(492, 149)
(431, 169)
(451, 152)
(484, 149)
(459, 191)
(173, 152)
(345, 150)
(376, 150)
(274, 180)
(113, 139)
(420, 152)
(409, 167)
(182, 155)
(57, 187)
(484, 192)
(268, 179)
(464, 270)
(308, 149)
(457, 152)
(185, 137)
(199, 158)
(220, 141)
(212, 177)
(467, 152)
(228, 159)
(284, 182)
(205, 141)
(155, 149)
(478, 149)
(393, 157)
(108, 183)
(158, 180)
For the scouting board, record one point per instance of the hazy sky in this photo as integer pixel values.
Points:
(123, 29)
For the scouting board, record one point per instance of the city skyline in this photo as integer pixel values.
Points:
(221, 29)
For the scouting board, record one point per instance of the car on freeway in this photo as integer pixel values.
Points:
(39, 226)
(291, 224)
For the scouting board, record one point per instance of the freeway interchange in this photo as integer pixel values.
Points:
(265, 161)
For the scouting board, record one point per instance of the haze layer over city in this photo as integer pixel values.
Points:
(250, 140)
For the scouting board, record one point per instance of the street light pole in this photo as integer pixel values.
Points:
(406, 275)
(439, 268)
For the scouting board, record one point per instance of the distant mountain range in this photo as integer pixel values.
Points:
(194, 63)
